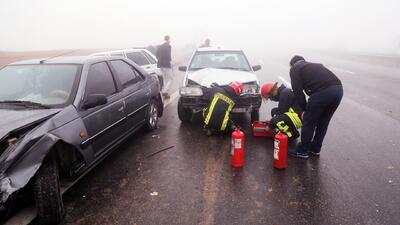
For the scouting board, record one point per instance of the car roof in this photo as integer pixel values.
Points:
(66, 60)
(217, 49)
(120, 50)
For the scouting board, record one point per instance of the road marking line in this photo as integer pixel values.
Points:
(211, 188)
(171, 98)
(342, 70)
(287, 83)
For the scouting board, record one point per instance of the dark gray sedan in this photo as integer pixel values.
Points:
(61, 116)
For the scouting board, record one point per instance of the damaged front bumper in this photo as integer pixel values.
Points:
(248, 103)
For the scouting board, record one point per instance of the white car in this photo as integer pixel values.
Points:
(143, 57)
(221, 66)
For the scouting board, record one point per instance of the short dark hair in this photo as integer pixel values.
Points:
(166, 37)
(295, 59)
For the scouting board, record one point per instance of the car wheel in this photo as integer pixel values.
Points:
(152, 116)
(184, 114)
(161, 82)
(46, 188)
(255, 116)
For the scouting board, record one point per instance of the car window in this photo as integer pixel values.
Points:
(149, 57)
(234, 60)
(138, 74)
(100, 80)
(126, 74)
(138, 58)
(44, 83)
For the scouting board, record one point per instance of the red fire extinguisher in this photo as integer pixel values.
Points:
(237, 148)
(280, 150)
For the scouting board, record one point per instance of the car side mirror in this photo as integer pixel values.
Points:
(256, 67)
(182, 68)
(94, 100)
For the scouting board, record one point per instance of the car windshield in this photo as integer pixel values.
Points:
(234, 60)
(43, 84)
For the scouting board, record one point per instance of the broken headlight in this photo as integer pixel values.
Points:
(250, 89)
(191, 91)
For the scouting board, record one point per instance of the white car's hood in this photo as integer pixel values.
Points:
(205, 77)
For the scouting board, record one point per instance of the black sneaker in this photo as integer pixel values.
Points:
(314, 153)
(298, 154)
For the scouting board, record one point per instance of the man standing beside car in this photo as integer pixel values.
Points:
(164, 63)
(325, 91)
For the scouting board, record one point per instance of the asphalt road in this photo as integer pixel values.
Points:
(356, 180)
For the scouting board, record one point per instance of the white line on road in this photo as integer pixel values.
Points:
(287, 83)
(342, 70)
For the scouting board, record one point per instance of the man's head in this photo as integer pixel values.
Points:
(237, 87)
(167, 39)
(295, 59)
(207, 42)
(269, 90)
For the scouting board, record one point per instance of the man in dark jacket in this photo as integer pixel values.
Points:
(325, 91)
(164, 63)
(217, 114)
(285, 117)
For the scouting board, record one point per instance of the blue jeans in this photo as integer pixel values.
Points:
(319, 110)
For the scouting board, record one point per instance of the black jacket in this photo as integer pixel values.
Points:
(164, 56)
(223, 89)
(286, 99)
(220, 108)
(310, 77)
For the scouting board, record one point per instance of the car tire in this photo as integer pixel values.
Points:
(47, 193)
(152, 116)
(160, 81)
(184, 114)
(255, 116)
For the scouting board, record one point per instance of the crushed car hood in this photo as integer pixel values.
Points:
(14, 119)
(205, 77)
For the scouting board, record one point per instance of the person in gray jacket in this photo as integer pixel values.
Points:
(164, 63)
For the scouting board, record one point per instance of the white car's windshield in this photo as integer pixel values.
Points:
(234, 60)
(44, 84)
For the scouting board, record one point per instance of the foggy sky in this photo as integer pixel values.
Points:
(352, 25)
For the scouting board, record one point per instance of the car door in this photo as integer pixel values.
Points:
(141, 60)
(103, 123)
(135, 91)
(153, 62)
(153, 67)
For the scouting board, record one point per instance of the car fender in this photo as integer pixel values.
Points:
(29, 153)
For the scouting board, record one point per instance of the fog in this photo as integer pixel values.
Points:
(273, 25)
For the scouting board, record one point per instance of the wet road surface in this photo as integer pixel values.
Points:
(356, 179)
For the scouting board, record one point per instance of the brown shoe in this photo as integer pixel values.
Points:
(166, 95)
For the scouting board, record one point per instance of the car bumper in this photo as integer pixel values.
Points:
(247, 103)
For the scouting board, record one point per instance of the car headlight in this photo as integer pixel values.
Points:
(191, 91)
(250, 89)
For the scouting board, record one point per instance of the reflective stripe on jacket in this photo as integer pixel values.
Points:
(294, 117)
(218, 113)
